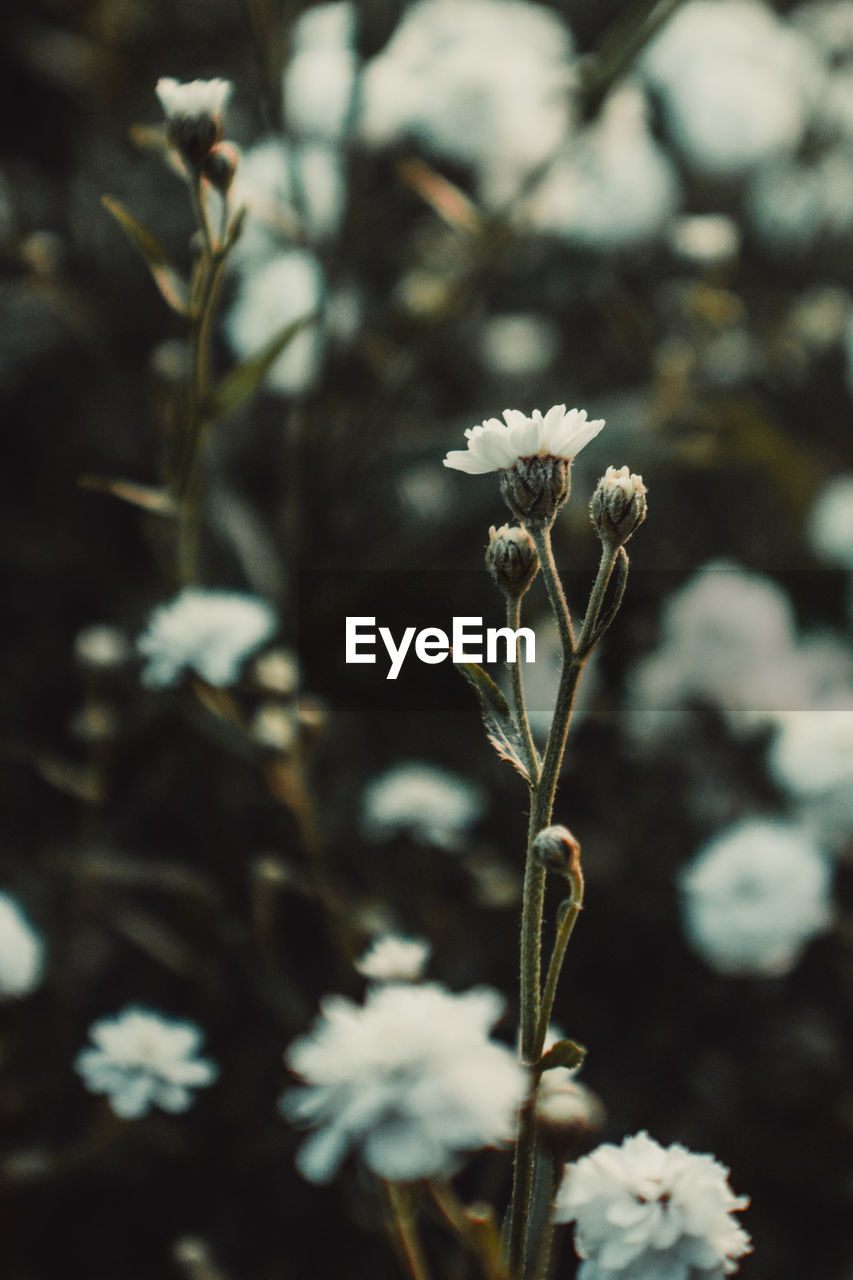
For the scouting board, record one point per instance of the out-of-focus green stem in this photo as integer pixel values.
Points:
(402, 1211)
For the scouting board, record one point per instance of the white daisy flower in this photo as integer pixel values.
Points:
(646, 1212)
(21, 951)
(394, 959)
(144, 1060)
(497, 446)
(754, 896)
(409, 1080)
(209, 632)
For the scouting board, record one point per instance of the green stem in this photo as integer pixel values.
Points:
(400, 1201)
(533, 1023)
(188, 483)
(513, 621)
(561, 942)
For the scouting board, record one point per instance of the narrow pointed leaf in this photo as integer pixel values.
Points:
(243, 381)
(157, 501)
(618, 593)
(501, 728)
(171, 285)
(565, 1053)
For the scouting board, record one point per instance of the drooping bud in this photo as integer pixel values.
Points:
(220, 165)
(535, 488)
(511, 559)
(618, 506)
(194, 115)
(556, 849)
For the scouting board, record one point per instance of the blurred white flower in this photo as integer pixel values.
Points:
(811, 759)
(727, 638)
(194, 100)
(483, 82)
(273, 295)
(754, 896)
(518, 344)
(285, 187)
(102, 646)
(705, 239)
(209, 632)
(735, 82)
(319, 79)
(394, 959)
(423, 801)
(496, 445)
(647, 1212)
(21, 951)
(794, 203)
(830, 524)
(410, 1080)
(612, 186)
(143, 1060)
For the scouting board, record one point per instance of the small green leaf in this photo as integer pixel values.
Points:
(501, 728)
(242, 382)
(171, 285)
(565, 1053)
(157, 501)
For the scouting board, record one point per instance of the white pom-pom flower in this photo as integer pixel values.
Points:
(143, 1060)
(423, 801)
(410, 1080)
(830, 525)
(497, 446)
(394, 959)
(21, 951)
(754, 896)
(209, 632)
(647, 1212)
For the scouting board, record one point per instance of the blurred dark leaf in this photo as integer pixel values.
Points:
(171, 285)
(243, 381)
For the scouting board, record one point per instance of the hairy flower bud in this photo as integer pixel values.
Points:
(618, 506)
(220, 165)
(556, 849)
(511, 559)
(535, 488)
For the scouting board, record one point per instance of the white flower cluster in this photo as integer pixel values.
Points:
(496, 445)
(143, 1060)
(754, 896)
(393, 959)
(647, 1212)
(735, 83)
(21, 951)
(209, 632)
(410, 1080)
(196, 99)
(423, 801)
(728, 638)
(811, 759)
(831, 522)
(483, 82)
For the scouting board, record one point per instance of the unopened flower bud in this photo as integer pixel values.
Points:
(220, 165)
(556, 849)
(618, 506)
(194, 115)
(534, 489)
(511, 559)
(568, 1114)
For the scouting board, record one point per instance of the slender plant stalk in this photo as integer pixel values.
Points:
(531, 756)
(479, 1235)
(207, 281)
(400, 1202)
(536, 1009)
